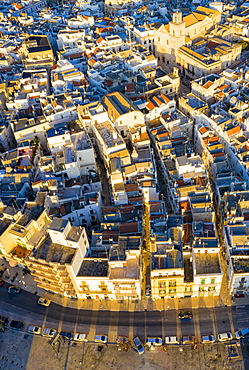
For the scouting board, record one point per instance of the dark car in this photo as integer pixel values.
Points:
(66, 335)
(18, 325)
(241, 295)
(185, 315)
(14, 290)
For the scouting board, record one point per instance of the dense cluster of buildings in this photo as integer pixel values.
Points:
(123, 146)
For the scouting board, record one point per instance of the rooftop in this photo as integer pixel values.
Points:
(53, 252)
(207, 263)
(58, 224)
(93, 267)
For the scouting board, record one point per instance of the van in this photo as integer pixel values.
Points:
(241, 333)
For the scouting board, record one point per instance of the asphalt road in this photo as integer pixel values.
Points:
(205, 321)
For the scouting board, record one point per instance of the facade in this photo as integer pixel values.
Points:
(181, 31)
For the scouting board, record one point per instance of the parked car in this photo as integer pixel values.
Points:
(44, 302)
(242, 333)
(18, 325)
(100, 338)
(188, 340)
(48, 332)
(34, 329)
(154, 341)
(66, 335)
(138, 345)
(185, 315)
(207, 339)
(225, 336)
(240, 295)
(14, 290)
(1, 282)
(171, 340)
(80, 337)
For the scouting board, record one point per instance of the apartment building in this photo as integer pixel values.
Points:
(50, 263)
(38, 52)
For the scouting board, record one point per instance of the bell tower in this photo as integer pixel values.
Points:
(177, 25)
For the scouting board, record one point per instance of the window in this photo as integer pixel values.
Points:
(202, 281)
(212, 281)
(158, 39)
(172, 283)
(163, 59)
(135, 117)
(172, 291)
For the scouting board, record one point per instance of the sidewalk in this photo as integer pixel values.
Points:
(16, 276)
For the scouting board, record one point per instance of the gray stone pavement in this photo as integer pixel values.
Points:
(26, 282)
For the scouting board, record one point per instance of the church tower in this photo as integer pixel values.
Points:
(177, 26)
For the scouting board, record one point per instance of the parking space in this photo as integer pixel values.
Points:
(139, 325)
(102, 323)
(124, 320)
(154, 324)
(206, 324)
(187, 327)
(240, 317)
(170, 323)
(222, 320)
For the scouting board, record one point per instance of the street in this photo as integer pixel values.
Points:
(206, 321)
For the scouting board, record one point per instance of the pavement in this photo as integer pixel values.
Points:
(26, 282)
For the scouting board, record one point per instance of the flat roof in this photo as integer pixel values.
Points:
(207, 263)
(93, 267)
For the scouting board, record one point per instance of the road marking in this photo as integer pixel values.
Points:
(197, 327)
(230, 317)
(92, 329)
(242, 320)
(131, 326)
(113, 329)
(63, 309)
(214, 322)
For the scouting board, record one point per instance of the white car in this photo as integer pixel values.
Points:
(48, 332)
(34, 329)
(241, 333)
(225, 336)
(44, 302)
(80, 337)
(207, 339)
(154, 341)
(171, 340)
(100, 339)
